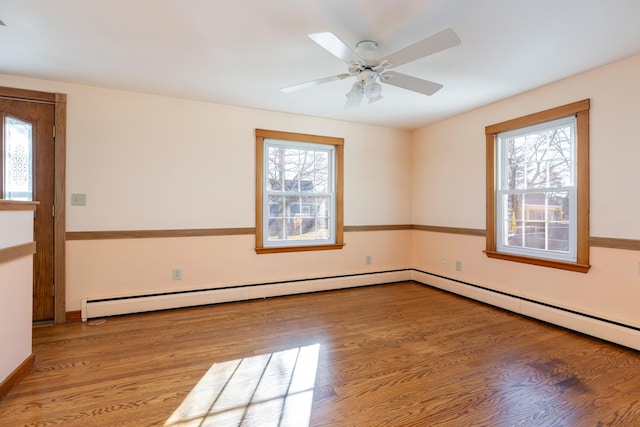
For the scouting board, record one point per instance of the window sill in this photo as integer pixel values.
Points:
(281, 249)
(578, 268)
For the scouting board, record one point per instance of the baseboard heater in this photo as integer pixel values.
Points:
(615, 332)
(111, 306)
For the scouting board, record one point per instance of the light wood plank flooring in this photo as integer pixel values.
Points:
(390, 355)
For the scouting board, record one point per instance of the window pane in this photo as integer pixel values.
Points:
(321, 182)
(276, 218)
(534, 235)
(274, 184)
(537, 175)
(307, 218)
(559, 216)
(323, 204)
(298, 218)
(539, 159)
(18, 160)
(298, 170)
(276, 206)
(560, 173)
(315, 219)
(515, 163)
(549, 174)
(306, 185)
(513, 220)
(284, 218)
(321, 172)
(275, 165)
(526, 220)
(537, 221)
(291, 169)
(515, 176)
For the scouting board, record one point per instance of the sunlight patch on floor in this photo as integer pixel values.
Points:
(273, 389)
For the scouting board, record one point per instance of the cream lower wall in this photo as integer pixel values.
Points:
(112, 268)
(610, 291)
(15, 314)
(16, 289)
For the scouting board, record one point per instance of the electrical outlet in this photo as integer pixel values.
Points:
(458, 265)
(367, 259)
(444, 259)
(177, 274)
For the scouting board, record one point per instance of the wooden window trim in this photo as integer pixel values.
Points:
(581, 110)
(338, 143)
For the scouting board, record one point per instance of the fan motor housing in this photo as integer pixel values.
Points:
(366, 49)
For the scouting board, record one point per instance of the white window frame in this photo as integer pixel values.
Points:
(331, 194)
(501, 191)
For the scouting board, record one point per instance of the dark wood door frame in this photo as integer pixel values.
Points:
(59, 100)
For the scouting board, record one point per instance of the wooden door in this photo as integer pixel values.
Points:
(27, 173)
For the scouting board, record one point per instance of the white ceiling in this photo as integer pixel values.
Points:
(242, 52)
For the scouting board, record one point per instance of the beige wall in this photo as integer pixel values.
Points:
(148, 162)
(448, 169)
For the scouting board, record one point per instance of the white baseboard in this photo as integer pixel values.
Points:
(116, 305)
(610, 331)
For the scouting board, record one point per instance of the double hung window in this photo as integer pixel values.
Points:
(538, 188)
(536, 194)
(298, 192)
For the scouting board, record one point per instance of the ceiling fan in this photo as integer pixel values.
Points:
(368, 70)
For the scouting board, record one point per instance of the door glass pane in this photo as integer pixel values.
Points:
(17, 160)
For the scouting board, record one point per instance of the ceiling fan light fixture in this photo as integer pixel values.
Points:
(356, 91)
(373, 91)
(354, 96)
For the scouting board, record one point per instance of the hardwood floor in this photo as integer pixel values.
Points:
(391, 355)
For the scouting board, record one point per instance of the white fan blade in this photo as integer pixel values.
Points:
(432, 44)
(414, 84)
(337, 47)
(314, 82)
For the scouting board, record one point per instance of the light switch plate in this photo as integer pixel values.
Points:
(78, 200)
